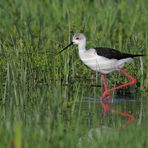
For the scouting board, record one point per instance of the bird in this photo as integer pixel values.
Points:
(104, 60)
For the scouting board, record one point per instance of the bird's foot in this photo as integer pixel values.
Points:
(106, 94)
(105, 105)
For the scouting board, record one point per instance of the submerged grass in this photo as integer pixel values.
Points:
(42, 96)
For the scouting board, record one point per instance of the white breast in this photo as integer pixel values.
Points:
(99, 63)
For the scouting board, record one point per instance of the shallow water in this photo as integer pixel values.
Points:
(91, 110)
(114, 100)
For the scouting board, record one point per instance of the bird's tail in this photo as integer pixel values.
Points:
(137, 55)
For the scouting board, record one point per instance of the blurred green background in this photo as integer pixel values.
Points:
(42, 95)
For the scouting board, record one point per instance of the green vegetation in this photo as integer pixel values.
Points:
(42, 95)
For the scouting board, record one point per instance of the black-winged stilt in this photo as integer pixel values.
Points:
(104, 60)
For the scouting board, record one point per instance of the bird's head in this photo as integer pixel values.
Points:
(78, 39)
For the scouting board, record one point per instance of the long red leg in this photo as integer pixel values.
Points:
(106, 95)
(108, 91)
(133, 81)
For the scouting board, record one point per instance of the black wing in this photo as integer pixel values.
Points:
(113, 54)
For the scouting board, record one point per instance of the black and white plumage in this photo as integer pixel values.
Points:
(103, 60)
(111, 53)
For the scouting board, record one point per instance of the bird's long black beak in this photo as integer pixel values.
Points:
(65, 48)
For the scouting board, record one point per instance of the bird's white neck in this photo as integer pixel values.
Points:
(82, 46)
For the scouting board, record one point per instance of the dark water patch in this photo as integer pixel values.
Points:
(114, 100)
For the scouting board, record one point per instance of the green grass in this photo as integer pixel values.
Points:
(42, 95)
